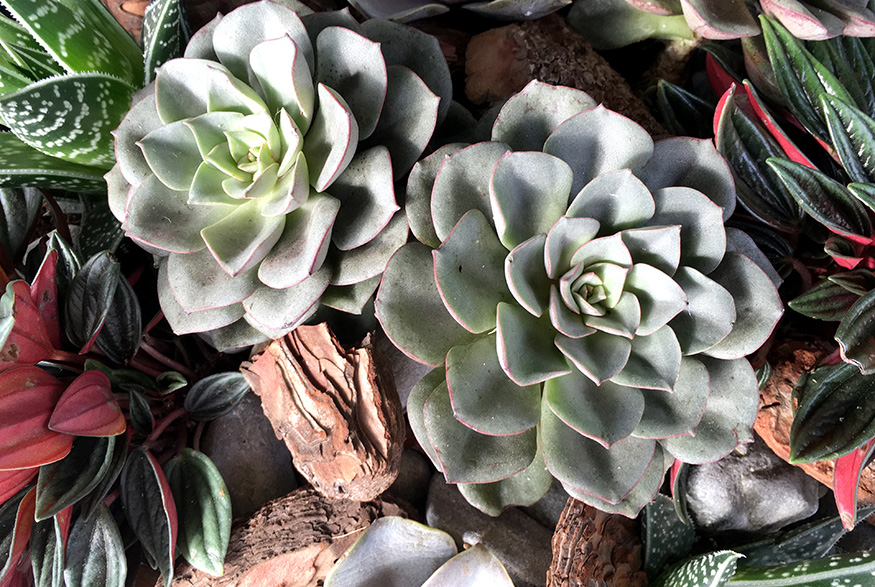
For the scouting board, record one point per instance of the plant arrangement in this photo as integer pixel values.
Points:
(406, 11)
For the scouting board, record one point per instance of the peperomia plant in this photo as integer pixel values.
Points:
(587, 312)
(406, 11)
(260, 168)
(67, 74)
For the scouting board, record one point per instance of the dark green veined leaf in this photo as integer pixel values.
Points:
(746, 147)
(170, 381)
(162, 36)
(99, 229)
(845, 569)
(141, 416)
(204, 509)
(825, 301)
(82, 36)
(18, 211)
(119, 337)
(63, 483)
(22, 165)
(89, 298)
(68, 264)
(825, 199)
(727, 59)
(215, 395)
(763, 374)
(835, 413)
(78, 111)
(800, 76)
(846, 481)
(853, 135)
(845, 253)
(121, 377)
(150, 509)
(95, 554)
(682, 112)
(856, 334)
(850, 68)
(666, 539)
(865, 192)
(859, 281)
(47, 543)
(90, 503)
(16, 520)
(713, 569)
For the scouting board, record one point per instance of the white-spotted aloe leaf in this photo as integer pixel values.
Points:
(845, 569)
(163, 35)
(22, 165)
(665, 536)
(706, 570)
(95, 553)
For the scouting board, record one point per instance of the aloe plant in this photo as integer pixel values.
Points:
(600, 336)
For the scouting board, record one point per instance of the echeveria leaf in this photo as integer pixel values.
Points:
(471, 567)
(600, 200)
(419, 187)
(654, 361)
(370, 259)
(709, 315)
(296, 304)
(679, 411)
(416, 404)
(600, 355)
(525, 347)
(522, 489)
(703, 236)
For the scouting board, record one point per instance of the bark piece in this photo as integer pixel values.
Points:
(775, 417)
(337, 411)
(594, 549)
(292, 541)
(129, 14)
(501, 61)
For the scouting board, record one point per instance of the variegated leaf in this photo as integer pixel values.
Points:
(22, 165)
(162, 36)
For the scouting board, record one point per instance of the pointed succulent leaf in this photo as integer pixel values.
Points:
(728, 417)
(398, 10)
(576, 139)
(393, 550)
(654, 361)
(162, 36)
(150, 509)
(600, 200)
(172, 154)
(679, 411)
(482, 396)
(825, 301)
(95, 552)
(282, 310)
(854, 334)
(599, 355)
(419, 193)
(516, 9)
(119, 337)
(88, 300)
(471, 567)
(523, 489)
(852, 133)
(184, 322)
(466, 456)
(331, 140)
(659, 246)
(713, 569)
(587, 466)
(526, 275)
(370, 259)
(703, 237)
(285, 79)
(63, 483)
(351, 299)
(529, 117)
(204, 510)
(525, 347)
(661, 298)
(415, 409)
(804, 21)
(709, 315)
(719, 21)
(215, 395)
(618, 23)
(666, 538)
(831, 394)
(570, 241)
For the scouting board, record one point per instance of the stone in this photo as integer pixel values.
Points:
(751, 492)
(413, 477)
(256, 466)
(549, 508)
(521, 544)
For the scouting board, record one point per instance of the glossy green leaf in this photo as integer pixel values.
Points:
(835, 414)
(89, 298)
(65, 482)
(854, 334)
(204, 510)
(142, 419)
(47, 546)
(683, 113)
(162, 36)
(16, 520)
(825, 301)
(215, 395)
(852, 65)
(852, 132)
(150, 509)
(845, 569)
(713, 569)
(93, 500)
(170, 381)
(22, 165)
(119, 337)
(95, 554)
(19, 210)
(666, 538)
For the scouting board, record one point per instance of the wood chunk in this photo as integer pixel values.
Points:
(337, 411)
(501, 61)
(292, 541)
(592, 548)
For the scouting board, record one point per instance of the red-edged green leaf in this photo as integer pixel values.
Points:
(63, 483)
(88, 408)
(846, 481)
(768, 121)
(142, 419)
(825, 199)
(215, 395)
(11, 482)
(27, 397)
(48, 540)
(835, 414)
(44, 292)
(95, 555)
(119, 338)
(28, 342)
(682, 112)
(856, 334)
(680, 471)
(845, 253)
(90, 503)
(721, 80)
(204, 510)
(150, 509)
(825, 301)
(16, 519)
(88, 299)
(853, 135)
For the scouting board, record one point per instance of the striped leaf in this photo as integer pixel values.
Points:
(162, 37)
(846, 569)
(707, 570)
(854, 334)
(22, 165)
(70, 116)
(95, 553)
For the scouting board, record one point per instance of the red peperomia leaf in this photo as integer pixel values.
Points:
(44, 292)
(11, 482)
(846, 480)
(88, 408)
(27, 398)
(768, 121)
(28, 343)
(14, 543)
(720, 79)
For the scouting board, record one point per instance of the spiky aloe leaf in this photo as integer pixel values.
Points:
(666, 538)
(162, 36)
(845, 569)
(22, 165)
(706, 570)
(854, 334)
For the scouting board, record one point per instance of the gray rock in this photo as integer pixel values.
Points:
(548, 509)
(752, 492)
(414, 475)
(518, 541)
(256, 466)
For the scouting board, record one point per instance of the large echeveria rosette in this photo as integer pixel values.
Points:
(587, 312)
(260, 167)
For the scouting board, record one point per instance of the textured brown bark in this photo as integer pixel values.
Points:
(129, 14)
(337, 411)
(595, 549)
(790, 360)
(292, 541)
(502, 61)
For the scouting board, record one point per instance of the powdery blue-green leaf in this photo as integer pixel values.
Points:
(415, 318)
(616, 199)
(587, 466)
(370, 259)
(654, 361)
(236, 337)
(526, 275)
(570, 241)
(63, 483)
(599, 140)
(199, 283)
(483, 397)
(600, 355)
(525, 346)
(95, 553)
(394, 551)
(22, 165)
(89, 298)
(703, 237)
(854, 334)
(615, 24)
(709, 315)
(660, 297)
(332, 139)
(172, 154)
(183, 322)
(606, 413)
(532, 114)
(469, 268)
(679, 411)
(472, 567)
(713, 569)
(666, 538)
(243, 238)
(419, 187)
(278, 311)
(415, 405)
(466, 456)
(516, 9)
(522, 489)
(461, 185)
(659, 246)
(719, 21)
(351, 299)
(162, 35)
(204, 509)
(399, 10)
(285, 79)
(215, 395)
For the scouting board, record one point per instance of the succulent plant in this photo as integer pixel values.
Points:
(409, 10)
(610, 24)
(260, 167)
(582, 302)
